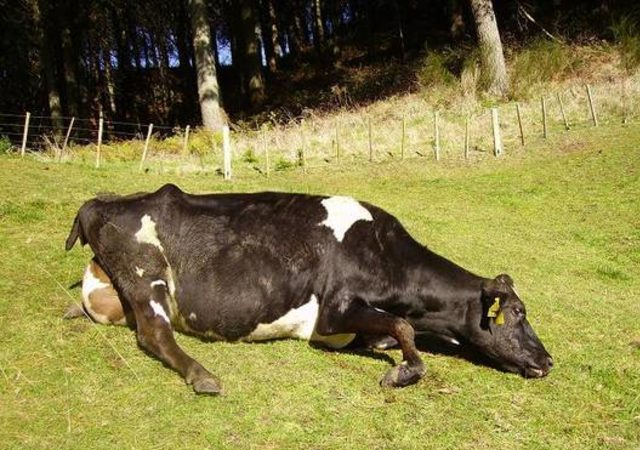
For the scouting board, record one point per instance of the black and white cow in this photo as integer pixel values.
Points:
(270, 265)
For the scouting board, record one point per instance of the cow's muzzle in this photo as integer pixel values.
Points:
(538, 370)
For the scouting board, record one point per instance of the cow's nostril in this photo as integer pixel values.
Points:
(550, 362)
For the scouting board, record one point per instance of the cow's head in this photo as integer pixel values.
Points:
(503, 333)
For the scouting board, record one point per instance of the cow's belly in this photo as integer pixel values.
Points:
(298, 323)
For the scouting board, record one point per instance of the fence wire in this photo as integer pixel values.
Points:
(393, 134)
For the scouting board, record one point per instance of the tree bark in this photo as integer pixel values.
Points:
(69, 62)
(208, 90)
(318, 27)
(270, 37)
(41, 16)
(108, 77)
(249, 52)
(494, 71)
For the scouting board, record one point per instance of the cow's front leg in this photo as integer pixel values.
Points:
(354, 316)
(155, 335)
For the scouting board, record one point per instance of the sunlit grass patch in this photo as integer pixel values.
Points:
(560, 217)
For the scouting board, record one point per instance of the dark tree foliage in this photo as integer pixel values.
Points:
(134, 61)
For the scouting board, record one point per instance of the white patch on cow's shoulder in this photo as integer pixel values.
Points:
(159, 310)
(147, 233)
(139, 271)
(192, 316)
(342, 213)
(298, 323)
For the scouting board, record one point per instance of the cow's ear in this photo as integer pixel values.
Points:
(498, 287)
(503, 279)
(494, 295)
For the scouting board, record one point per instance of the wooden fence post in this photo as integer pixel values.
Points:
(99, 148)
(226, 152)
(520, 124)
(185, 142)
(592, 106)
(564, 116)
(146, 146)
(436, 134)
(66, 138)
(466, 138)
(497, 140)
(544, 116)
(25, 134)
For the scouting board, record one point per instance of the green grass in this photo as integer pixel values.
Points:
(562, 218)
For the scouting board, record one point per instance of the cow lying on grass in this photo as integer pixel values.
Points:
(268, 265)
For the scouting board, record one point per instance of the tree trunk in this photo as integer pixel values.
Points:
(108, 77)
(41, 18)
(297, 21)
(494, 71)
(318, 27)
(249, 52)
(208, 90)
(70, 78)
(270, 37)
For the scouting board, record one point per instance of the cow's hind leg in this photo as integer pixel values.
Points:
(100, 301)
(155, 334)
(354, 316)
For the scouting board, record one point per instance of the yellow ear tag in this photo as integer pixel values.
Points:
(495, 312)
(494, 309)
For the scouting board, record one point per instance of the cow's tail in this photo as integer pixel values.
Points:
(77, 230)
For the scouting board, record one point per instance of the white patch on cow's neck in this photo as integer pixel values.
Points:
(298, 323)
(159, 310)
(342, 213)
(147, 233)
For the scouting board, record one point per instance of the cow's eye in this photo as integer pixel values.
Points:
(519, 313)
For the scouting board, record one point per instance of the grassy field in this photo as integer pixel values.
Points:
(563, 219)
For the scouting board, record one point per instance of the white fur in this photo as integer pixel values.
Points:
(159, 310)
(92, 283)
(147, 233)
(342, 213)
(139, 271)
(192, 316)
(158, 283)
(298, 323)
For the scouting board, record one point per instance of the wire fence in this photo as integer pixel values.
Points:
(415, 130)
(43, 132)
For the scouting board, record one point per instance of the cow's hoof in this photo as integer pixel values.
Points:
(208, 386)
(402, 375)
